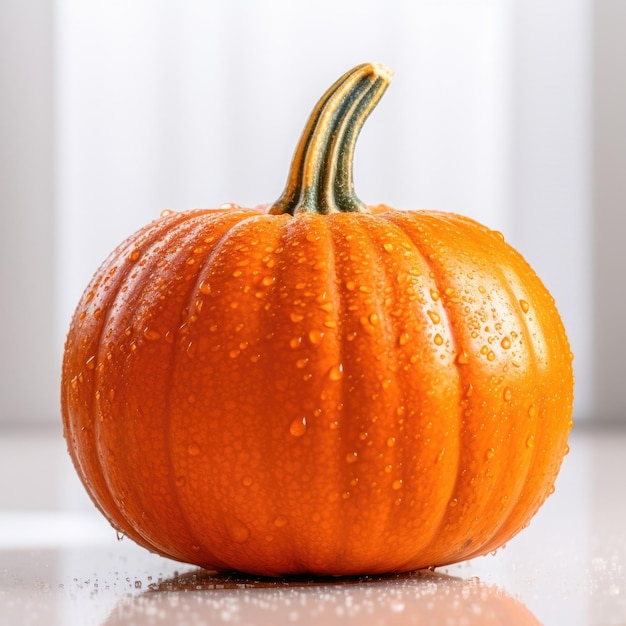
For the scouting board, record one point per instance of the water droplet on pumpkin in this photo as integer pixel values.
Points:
(530, 441)
(336, 372)
(507, 394)
(434, 317)
(438, 339)
(91, 362)
(397, 484)
(453, 502)
(391, 442)
(280, 521)
(532, 410)
(166, 212)
(229, 205)
(193, 449)
(151, 335)
(134, 255)
(297, 428)
(505, 343)
(238, 530)
(295, 342)
(403, 339)
(316, 336)
(491, 355)
(462, 358)
(351, 457)
(247, 481)
(524, 305)
(296, 317)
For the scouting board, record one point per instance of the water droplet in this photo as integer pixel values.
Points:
(301, 363)
(434, 317)
(351, 457)
(296, 317)
(247, 481)
(295, 342)
(151, 335)
(532, 410)
(229, 205)
(91, 362)
(388, 246)
(374, 319)
(505, 343)
(453, 502)
(316, 336)
(397, 484)
(490, 454)
(507, 394)
(193, 449)
(134, 255)
(391, 442)
(530, 441)
(438, 339)
(238, 530)
(491, 355)
(280, 521)
(336, 372)
(434, 294)
(462, 358)
(297, 428)
(403, 339)
(167, 212)
(120, 535)
(525, 306)
(268, 280)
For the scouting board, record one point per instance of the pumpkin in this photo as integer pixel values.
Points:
(318, 385)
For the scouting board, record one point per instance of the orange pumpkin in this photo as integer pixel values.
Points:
(318, 386)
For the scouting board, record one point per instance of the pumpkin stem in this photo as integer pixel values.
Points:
(320, 179)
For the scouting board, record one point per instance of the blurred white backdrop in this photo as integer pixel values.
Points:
(113, 111)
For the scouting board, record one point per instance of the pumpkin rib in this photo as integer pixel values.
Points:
(471, 234)
(182, 222)
(410, 224)
(100, 495)
(478, 235)
(228, 222)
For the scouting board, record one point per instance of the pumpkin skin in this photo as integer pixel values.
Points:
(358, 391)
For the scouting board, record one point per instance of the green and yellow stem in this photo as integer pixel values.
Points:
(321, 179)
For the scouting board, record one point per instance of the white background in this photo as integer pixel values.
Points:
(510, 111)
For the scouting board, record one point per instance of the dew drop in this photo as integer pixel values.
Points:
(530, 441)
(438, 339)
(490, 454)
(462, 358)
(91, 362)
(434, 317)
(525, 306)
(397, 484)
(166, 212)
(453, 502)
(532, 410)
(267, 281)
(505, 343)
(316, 336)
(297, 428)
(247, 481)
(193, 449)
(295, 342)
(491, 355)
(434, 295)
(336, 372)
(403, 339)
(351, 457)
(296, 317)
(507, 393)
(391, 442)
(238, 530)
(151, 335)
(280, 521)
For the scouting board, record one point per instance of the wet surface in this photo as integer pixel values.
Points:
(61, 564)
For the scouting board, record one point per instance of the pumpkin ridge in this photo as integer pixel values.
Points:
(412, 220)
(228, 222)
(183, 220)
(101, 496)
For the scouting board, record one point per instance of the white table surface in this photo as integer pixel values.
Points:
(61, 564)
